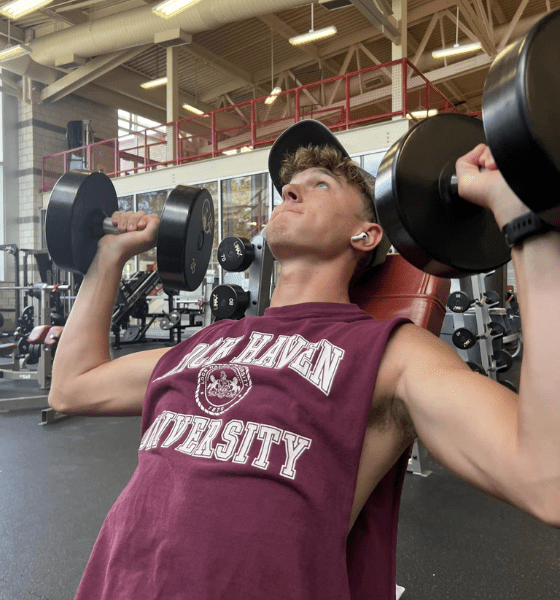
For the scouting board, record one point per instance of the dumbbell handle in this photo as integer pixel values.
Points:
(109, 228)
(454, 185)
(449, 191)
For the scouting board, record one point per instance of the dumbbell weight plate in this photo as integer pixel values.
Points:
(444, 239)
(185, 238)
(458, 302)
(170, 321)
(476, 368)
(79, 202)
(492, 298)
(26, 320)
(228, 301)
(235, 254)
(131, 334)
(22, 346)
(463, 338)
(34, 354)
(503, 359)
(496, 328)
(520, 113)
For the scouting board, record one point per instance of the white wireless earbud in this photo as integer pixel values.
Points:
(357, 238)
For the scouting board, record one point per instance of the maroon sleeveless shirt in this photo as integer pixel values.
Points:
(252, 437)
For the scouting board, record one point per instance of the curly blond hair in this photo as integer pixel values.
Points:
(328, 157)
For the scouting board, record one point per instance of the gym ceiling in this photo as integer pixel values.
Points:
(104, 49)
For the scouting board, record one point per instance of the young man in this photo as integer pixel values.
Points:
(265, 438)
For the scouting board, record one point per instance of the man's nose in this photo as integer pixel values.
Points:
(290, 192)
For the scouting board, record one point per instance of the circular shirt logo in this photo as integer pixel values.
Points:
(222, 386)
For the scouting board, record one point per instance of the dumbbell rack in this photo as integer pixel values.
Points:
(247, 296)
(477, 319)
(482, 318)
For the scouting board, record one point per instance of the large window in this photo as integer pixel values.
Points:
(245, 205)
(129, 123)
(153, 203)
(371, 162)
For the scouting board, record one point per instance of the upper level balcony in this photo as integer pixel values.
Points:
(383, 92)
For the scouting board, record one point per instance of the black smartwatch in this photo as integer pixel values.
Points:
(525, 226)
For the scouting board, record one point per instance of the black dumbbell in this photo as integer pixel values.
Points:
(459, 302)
(235, 254)
(229, 301)
(504, 360)
(476, 368)
(464, 338)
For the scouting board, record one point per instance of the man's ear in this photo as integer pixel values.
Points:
(374, 236)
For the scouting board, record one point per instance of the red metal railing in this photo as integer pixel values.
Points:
(377, 93)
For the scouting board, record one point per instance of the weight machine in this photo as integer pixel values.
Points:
(17, 369)
(133, 302)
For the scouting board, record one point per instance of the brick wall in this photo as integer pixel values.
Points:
(7, 300)
(41, 132)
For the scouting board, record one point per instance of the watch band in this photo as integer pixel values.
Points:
(523, 227)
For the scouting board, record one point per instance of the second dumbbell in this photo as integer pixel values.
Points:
(235, 254)
(229, 301)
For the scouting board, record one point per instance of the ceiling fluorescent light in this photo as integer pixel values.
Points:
(273, 95)
(456, 50)
(170, 8)
(147, 85)
(312, 36)
(193, 109)
(422, 114)
(11, 52)
(19, 8)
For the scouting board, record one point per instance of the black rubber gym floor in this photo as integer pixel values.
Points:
(58, 482)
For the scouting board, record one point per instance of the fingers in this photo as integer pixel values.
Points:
(480, 182)
(472, 182)
(473, 157)
(487, 160)
(480, 157)
(131, 221)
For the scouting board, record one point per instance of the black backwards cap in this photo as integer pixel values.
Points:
(315, 133)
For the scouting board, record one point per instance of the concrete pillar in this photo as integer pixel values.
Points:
(400, 9)
(172, 100)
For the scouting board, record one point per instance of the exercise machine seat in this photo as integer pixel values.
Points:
(397, 289)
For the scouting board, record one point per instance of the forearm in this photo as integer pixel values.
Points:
(537, 270)
(84, 344)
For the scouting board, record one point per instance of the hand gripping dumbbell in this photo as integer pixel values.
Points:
(79, 215)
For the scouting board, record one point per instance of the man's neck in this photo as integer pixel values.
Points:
(301, 283)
